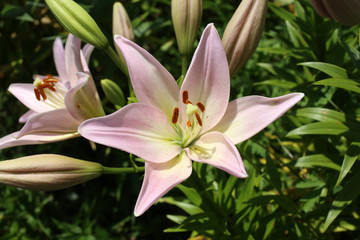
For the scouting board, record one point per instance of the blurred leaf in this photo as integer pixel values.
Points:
(282, 201)
(278, 83)
(176, 218)
(273, 172)
(326, 128)
(349, 160)
(330, 69)
(25, 17)
(281, 12)
(187, 207)
(347, 84)
(191, 194)
(321, 114)
(295, 36)
(350, 191)
(317, 160)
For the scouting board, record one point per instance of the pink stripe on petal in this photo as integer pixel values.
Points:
(216, 149)
(247, 116)
(137, 128)
(161, 178)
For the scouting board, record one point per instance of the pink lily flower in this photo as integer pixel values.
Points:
(58, 105)
(169, 128)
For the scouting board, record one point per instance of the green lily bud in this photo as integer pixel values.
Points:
(346, 12)
(78, 22)
(47, 172)
(186, 16)
(243, 32)
(113, 92)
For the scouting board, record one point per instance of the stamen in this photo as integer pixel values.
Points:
(198, 118)
(188, 123)
(42, 93)
(188, 102)
(37, 94)
(185, 97)
(175, 115)
(201, 106)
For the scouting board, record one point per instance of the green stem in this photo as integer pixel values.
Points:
(184, 65)
(109, 170)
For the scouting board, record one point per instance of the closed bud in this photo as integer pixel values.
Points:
(78, 22)
(113, 92)
(47, 172)
(346, 12)
(121, 22)
(243, 32)
(186, 17)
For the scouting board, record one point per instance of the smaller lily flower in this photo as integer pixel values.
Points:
(47, 172)
(57, 105)
(169, 128)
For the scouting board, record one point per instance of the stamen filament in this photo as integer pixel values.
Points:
(198, 118)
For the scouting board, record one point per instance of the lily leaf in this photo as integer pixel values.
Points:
(349, 160)
(330, 69)
(343, 83)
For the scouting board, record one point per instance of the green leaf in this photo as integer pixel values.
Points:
(275, 199)
(349, 160)
(281, 12)
(343, 83)
(350, 191)
(176, 218)
(295, 36)
(330, 69)
(278, 83)
(191, 194)
(322, 128)
(317, 160)
(273, 172)
(321, 114)
(187, 207)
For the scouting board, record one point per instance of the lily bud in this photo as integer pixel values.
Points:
(346, 12)
(121, 22)
(186, 16)
(243, 32)
(47, 172)
(78, 22)
(113, 92)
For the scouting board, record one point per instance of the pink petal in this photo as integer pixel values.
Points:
(26, 116)
(82, 101)
(25, 93)
(216, 149)
(72, 59)
(87, 50)
(137, 128)
(207, 80)
(55, 121)
(247, 116)
(161, 178)
(31, 139)
(152, 83)
(59, 59)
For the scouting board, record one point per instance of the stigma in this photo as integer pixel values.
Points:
(41, 85)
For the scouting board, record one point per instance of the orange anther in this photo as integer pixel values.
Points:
(42, 93)
(187, 102)
(188, 123)
(37, 94)
(175, 115)
(201, 106)
(185, 96)
(198, 118)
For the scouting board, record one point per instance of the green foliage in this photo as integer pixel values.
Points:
(303, 169)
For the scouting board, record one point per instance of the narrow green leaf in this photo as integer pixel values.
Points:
(317, 160)
(176, 218)
(321, 114)
(295, 36)
(275, 199)
(187, 207)
(330, 69)
(281, 12)
(191, 194)
(343, 83)
(273, 172)
(326, 128)
(278, 83)
(350, 191)
(349, 160)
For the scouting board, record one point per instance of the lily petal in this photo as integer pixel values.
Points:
(208, 79)
(247, 116)
(25, 93)
(11, 140)
(161, 178)
(82, 101)
(152, 83)
(55, 121)
(72, 58)
(26, 116)
(137, 128)
(87, 50)
(216, 149)
(59, 59)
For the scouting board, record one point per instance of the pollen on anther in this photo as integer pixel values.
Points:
(201, 106)
(185, 96)
(188, 123)
(37, 94)
(175, 115)
(198, 118)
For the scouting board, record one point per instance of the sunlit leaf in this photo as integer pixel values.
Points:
(330, 69)
(326, 128)
(317, 160)
(347, 84)
(349, 160)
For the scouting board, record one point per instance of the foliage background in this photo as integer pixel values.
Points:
(293, 187)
